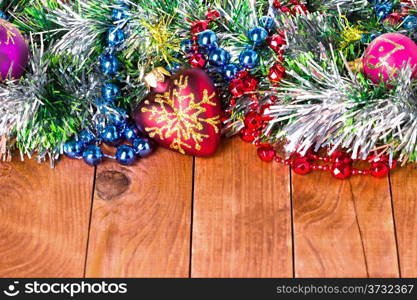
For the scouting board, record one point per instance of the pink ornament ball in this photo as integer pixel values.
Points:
(14, 51)
(387, 54)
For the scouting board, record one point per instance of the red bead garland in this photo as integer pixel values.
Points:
(340, 165)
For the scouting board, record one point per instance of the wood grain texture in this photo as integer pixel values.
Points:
(44, 215)
(343, 228)
(242, 215)
(141, 218)
(403, 187)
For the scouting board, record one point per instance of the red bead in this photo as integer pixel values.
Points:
(277, 4)
(341, 171)
(340, 157)
(379, 169)
(197, 60)
(275, 42)
(276, 73)
(248, 136)
(285, 9)
(278, 159)
(199, 26)
(301, 166)
(250, 83)
(236, 88)
(253, 120)
(355, 172)
(213, 15)
(267, 154)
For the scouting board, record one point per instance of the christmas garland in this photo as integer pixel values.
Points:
(317, 85)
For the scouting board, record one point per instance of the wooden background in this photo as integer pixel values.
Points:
(227, 216)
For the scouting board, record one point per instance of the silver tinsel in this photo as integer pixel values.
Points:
(329, 111)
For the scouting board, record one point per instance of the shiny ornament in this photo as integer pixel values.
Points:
(115, 37)
(3, 15)
(118, 14)
(276, 73)
(207, 39)
(268, 23)
(253, 121)
(118, 117)
(74, 149)
(186, 116)
(341, 170)
(410, 23)
(130, 133)
(386, 55)
(111, 135)
(186, 46)
(14, 51)
(125, 155)
(249, 59)
(257, 35)
(86, 136)
(110, 92)
(301, 166)
(276, 42)
(266, 154)
(230, 71)
(379, 169)
(93, 155)
(143, 147)
(197, 60)
(109, 64)
(219, 57)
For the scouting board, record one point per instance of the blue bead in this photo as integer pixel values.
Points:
(383, 10)
(110, 92)
(3, 15)
(111, 135)
(230, 71)
(186, 46)
(248, 59)
(130, 133)
(118, 117)
(207, 39)
(257, 35)
(410, 23)
(86, 136)
(219, 57)
(93, 155)
(118, 14)
(115, 36)
(125, 155)
(142, 147)
(74, 149)
(109, 64)
(268, 23)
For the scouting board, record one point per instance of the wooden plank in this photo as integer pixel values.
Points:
(403, 183)
(242, 215)
(141, 218)
(343, 228)
(44, 216)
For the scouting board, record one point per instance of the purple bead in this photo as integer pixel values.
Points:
(14, 51)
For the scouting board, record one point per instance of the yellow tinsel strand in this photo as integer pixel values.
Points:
(349, 34)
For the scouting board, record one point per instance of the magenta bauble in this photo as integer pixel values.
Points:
(14, 51)
(387, 54)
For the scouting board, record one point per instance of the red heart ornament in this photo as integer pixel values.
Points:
(183, 114)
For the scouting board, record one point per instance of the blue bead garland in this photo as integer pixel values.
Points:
(112, 129)
(220, 59)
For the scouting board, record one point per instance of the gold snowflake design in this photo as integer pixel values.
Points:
(9, 32)
(185, 123)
